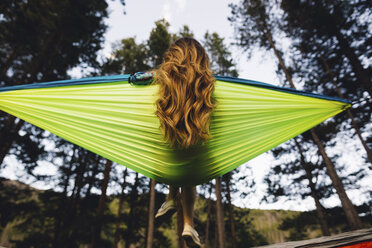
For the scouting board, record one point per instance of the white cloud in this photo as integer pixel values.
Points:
(172, 6)
(180, 4)
(167, 12)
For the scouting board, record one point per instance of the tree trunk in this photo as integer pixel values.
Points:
(206, 241)
(8, 135)
(231, 216)
(132, 205)
(180, 240)
(349, 209)
(220, 216)
(7, 64)
(150, 228)
(215, 238)
(319, 208)
(360, 73)
(101, 205)
(91, 177)
(80, 182)
(69, 173)
(280, 59)
(10, 130)
(120, 208)
(348, 111)
(64, 205)
(80, 170)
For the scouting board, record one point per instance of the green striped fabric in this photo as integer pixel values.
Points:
(117, 121)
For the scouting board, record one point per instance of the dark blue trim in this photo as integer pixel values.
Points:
(273, 87)
(91, 80)
(118, 78)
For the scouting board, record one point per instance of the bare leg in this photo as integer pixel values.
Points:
(189, 234)
(188, 195)
(173, 191)
(169, 207)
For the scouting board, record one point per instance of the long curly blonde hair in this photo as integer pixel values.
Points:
(185, 100)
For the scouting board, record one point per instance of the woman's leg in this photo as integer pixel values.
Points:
(168, 208)
(173, 191)
(190, 235)
(188, 195)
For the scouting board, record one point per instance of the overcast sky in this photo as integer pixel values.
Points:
(200, 16)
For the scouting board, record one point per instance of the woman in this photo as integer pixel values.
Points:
(184, 108)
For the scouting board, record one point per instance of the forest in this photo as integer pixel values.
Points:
(93, 202)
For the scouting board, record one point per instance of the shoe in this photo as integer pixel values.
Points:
(167, 209)
(191, 236)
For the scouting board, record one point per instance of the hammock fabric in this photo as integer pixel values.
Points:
(115, 119)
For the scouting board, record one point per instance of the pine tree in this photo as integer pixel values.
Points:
(52, 37)
(255, 27)
(127, 57)
(335, 21)
(319, 52)
(120, 209)
(219, 55)
(220, 216)
(159, 41)
(151, 215)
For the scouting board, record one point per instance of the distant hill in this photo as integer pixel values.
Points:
(267, 223)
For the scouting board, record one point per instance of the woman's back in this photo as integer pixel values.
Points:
(185, 99)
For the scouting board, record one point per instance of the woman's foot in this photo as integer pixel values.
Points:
(191, 236)
(167, 209)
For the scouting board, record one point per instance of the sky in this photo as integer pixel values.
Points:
(202, 16)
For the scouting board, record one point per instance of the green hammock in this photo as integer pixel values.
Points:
(115, 119)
